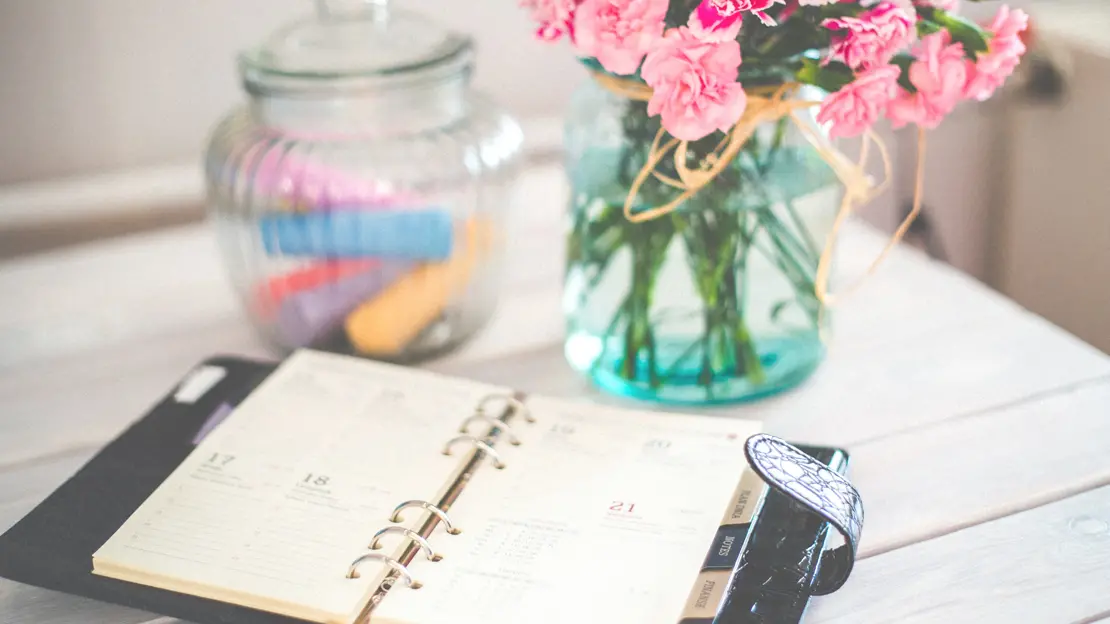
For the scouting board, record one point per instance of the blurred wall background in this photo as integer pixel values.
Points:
(106, 104)
(97, 85)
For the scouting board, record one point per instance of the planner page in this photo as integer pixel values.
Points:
(599, 516)
(274, 504)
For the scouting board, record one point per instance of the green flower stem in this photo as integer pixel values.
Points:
(777, 141)
(705, 375)
(803, 286)
(746, 352)
(698, 249)
(747, 238)
(803, 232)
(748, 362)
(775, 227)
(685, 355)
(717, 239)
(619, 316)
(720, 227)
(639, 304)
(788, 245)
(648, 243)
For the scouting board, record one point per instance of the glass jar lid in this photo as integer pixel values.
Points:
(353, 44)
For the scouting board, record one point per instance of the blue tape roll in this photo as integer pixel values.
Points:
(409, 235)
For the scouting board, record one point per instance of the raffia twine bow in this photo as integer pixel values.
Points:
(768, 105)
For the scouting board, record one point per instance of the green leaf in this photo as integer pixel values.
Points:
(903, 61)
(778, 308)
(832, 77)
(963, 30)
(841, 9)
(926, 28)
(679, 12)
(794, 42)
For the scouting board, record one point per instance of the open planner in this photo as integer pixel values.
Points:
(342, 491)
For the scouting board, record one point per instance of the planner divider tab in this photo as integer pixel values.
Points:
(728, 544)
(437, 510)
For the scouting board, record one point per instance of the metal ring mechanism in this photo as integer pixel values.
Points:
(498, 463)
(398, 567)
(425, 505)
(375, 543)
(518, 406)
(494, 424)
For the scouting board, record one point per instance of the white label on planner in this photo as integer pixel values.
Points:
(198, 383)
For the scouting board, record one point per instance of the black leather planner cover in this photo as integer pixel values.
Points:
(52, 547)
(780, 558)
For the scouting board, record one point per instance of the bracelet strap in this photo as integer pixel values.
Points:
(816, 488)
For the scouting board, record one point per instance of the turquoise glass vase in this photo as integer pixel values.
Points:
(714, 302)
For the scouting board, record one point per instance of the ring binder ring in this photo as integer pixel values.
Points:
(494, 424)
(498, 463)
(439, 513)
(409, 533)
(398, 567)
(518, 406)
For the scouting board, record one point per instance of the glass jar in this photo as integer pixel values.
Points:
(714, 302)
(359, 195)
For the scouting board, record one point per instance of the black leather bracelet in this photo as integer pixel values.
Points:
(818, 489)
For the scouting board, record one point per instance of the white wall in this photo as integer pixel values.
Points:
(1057, 231)
(95, 85)
(101, 85)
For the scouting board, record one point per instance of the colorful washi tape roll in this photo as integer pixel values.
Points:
(291, 182)
(424, 235)
(364, 257)
(310, 315)
(385, 325)
(272, 291)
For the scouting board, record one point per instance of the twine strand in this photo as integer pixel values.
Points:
(767, 105)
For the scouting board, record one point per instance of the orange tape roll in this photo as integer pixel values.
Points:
(386, 324)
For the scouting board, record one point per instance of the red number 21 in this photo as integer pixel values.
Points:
(625, 507)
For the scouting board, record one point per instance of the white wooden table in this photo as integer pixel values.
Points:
(980, 434)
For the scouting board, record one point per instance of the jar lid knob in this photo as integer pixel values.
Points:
(344, 9)
(354, 44)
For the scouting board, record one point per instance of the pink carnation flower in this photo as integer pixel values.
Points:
(1002, 57)
(555, 17)
(619, 32)
(694, 83)
(817, 2)
(939, 74)
(857, 106)
(873, 38)
(719, 20)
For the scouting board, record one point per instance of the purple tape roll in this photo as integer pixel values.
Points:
(213, 421)
(310, 315)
